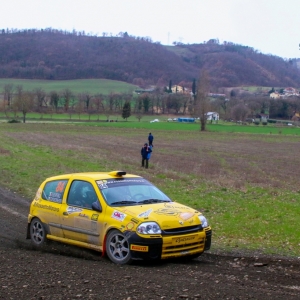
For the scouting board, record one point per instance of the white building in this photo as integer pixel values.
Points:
(212, 116)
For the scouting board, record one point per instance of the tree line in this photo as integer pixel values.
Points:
(16, 99)
(160, 101)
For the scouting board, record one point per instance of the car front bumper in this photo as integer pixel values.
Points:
(168, 246)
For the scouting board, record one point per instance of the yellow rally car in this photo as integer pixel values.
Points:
(123, 216)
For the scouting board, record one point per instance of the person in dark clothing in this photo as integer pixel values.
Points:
(150, 139)
(145, 151)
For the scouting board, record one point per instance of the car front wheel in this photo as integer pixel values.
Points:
(117, 248)
(37, 232)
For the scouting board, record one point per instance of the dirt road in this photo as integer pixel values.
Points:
(65, 272)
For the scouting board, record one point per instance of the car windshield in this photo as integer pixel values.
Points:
(130, 191)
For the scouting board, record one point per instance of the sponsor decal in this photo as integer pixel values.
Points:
(135, 220)
(83, 215)
(102, 184)
(175, 206)
(130, 226)
(184, 239)
(38, 194)
(145, 214)
(137, 180)
(139, 248)
(72, 209)
(95, 217)
(186, 215)
(174, 210)
(167, 211)
(55, 197)
(118, 215)
(191, 221)
(60, 186)
(49, 207)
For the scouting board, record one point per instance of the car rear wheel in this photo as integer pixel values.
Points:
(117, 248)
(37, 232)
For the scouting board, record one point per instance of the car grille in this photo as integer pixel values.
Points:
(189, 246)
(183, 248)
(182, 230)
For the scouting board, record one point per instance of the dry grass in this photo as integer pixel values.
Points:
(4, 151)
(227, 160)
(246, 184)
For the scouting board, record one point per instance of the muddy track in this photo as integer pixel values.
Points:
(65, 272)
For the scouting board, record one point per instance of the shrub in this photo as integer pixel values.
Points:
(13, 121)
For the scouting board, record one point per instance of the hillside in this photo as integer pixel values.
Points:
(59, 55)
(232, 65)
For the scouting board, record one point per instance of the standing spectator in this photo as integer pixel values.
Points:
(150, 139)
(145, 151)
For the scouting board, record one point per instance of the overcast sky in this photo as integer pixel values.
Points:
(269, 26)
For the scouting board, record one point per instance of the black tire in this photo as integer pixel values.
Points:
(37, 232)
(117, 248)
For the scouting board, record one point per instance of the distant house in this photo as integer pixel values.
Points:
(212, 116)
(179, 89)
(296, 116)
(275, 95)
(289, 91)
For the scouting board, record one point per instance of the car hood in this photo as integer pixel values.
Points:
(167, 215)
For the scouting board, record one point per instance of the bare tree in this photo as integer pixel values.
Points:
(87, 100)
(8, 92)
(41, 102)
(66, 99)
(186, 100)
(24, 101)
(201, 104)
(139, 115)
(98, 104)
(54, 100)
(15, 103)
(80, 105)
(240, 112)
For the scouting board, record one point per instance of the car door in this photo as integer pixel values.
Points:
(49, 202)
(79, 221)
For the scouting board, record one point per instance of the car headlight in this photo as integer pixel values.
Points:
(149, 228)
(203, 221)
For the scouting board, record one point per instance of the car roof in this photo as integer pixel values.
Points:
(92, 175)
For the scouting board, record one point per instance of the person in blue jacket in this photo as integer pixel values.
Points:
(145, 151)
(150, 139)
(149, 154)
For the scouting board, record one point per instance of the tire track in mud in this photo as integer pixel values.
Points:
(13, 219)
(42, 274)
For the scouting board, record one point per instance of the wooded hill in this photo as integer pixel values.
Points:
(60, 55)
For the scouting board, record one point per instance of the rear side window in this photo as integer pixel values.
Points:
(53, 191)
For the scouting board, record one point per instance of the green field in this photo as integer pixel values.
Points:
(245, 184)
(93, 86)
(277, 129)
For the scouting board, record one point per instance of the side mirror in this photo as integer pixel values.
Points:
(96, 206)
